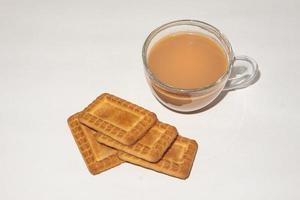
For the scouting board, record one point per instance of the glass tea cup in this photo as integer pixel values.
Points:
(188, 100)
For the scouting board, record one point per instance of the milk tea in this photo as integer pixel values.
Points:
(187, 60)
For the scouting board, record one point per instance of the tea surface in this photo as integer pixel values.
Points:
(187, 60)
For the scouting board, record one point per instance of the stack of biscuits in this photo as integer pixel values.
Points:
(111, 131)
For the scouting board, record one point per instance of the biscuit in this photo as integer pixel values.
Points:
(97, 157)
(151, 147)
(177, 161)
(118, 118)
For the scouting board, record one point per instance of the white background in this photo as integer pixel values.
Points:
(57, 56)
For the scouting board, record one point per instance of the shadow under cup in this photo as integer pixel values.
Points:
(188, 100)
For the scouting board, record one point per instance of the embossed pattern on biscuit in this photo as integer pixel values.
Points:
(118, 118)
(97, 157)
(151, 147)
(177, 161)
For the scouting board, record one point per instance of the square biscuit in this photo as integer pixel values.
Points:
(118, 118)
(97, 157)
(177, 161)
(151, 147)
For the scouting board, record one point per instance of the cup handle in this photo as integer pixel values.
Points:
(243, 73)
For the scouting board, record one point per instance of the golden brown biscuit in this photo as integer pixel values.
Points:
(177, 161)
(118, 118)
(151, 147)
(97, 157)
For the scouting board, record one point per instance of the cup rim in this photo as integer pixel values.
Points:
(190, 22)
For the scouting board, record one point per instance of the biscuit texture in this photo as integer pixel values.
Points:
(151, 147)
(97, 157)
(177, 161)
(117, 118)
